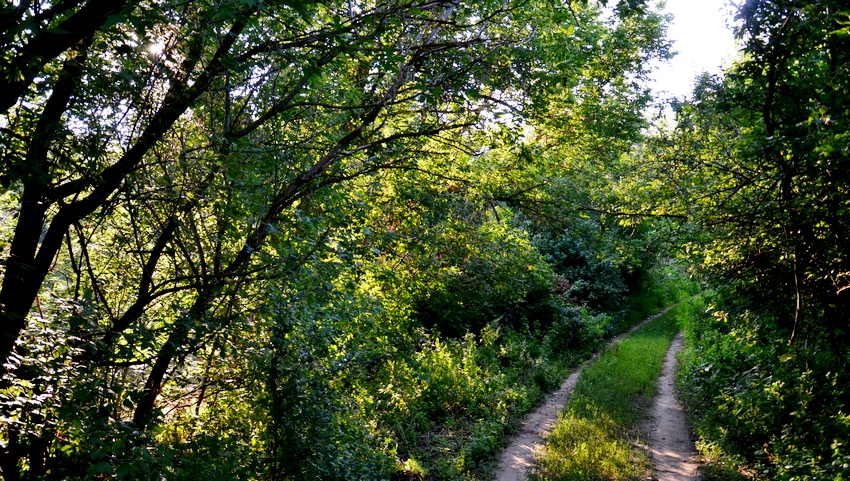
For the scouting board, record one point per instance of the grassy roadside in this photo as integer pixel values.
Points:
(452, 406)
(592, 439)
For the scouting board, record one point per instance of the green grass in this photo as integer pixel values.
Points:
(592, 440)
(451, 406)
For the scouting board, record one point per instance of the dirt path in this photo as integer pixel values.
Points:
(518, 457)
(670, 444)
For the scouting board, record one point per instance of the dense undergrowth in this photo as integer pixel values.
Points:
(480, 386)
(351, 380)
(410, 402)
(764, 409)
(595, 436)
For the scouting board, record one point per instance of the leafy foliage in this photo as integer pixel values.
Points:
(757, 162)
(297, 240)
(777, 411)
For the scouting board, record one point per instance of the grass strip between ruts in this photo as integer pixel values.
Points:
(592, 439)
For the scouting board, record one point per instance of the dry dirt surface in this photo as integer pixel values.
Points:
(518, 457)
(671, 445)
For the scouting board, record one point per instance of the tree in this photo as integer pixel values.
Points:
(757, 162)
(755, 157)
(188, 132)
(168, 166)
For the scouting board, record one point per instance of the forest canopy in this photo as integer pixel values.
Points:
(237, 234)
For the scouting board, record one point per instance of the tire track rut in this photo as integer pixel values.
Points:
(518, 457)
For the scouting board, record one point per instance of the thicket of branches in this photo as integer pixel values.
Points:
(276, 239)
(758, 161)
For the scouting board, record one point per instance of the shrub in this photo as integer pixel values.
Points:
(497, 274)
(760, 404)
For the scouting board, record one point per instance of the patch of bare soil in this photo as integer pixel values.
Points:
(518, 457)
(671, 445)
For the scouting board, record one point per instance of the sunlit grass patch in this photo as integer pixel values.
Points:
(589, 445)
(592, 440)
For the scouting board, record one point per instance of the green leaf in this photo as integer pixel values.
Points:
(123, 470)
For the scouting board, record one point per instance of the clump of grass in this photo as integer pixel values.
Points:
(592, 440)
(588, 444)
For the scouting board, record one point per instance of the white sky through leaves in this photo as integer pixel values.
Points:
(700, 36)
